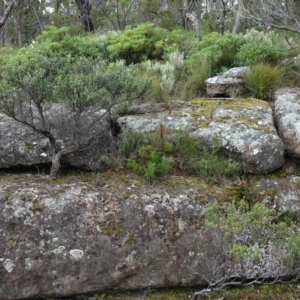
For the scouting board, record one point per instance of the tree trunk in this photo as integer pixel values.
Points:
(237, 19)
(5, 16)
(41, 27)
(55, 168)
(192, 17)
(85, 7)
(56, 157)
(17, 21)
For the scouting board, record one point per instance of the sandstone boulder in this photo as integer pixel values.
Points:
(227, 83)
(80, 237)
(244, 129)
(89, 233)
(22, 147)
(287, 115)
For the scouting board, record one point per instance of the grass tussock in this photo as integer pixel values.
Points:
(263, 79)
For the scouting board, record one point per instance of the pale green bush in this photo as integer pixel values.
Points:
(164, 75)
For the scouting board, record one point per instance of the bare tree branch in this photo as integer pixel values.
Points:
(273, 13)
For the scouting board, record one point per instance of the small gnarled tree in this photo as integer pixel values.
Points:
(66, 101)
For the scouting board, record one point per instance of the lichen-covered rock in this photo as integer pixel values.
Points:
(111, 232)
(89, 233)
(287, 115)
(283, 194)
(230, 82)
(22, 147)
(244, 129)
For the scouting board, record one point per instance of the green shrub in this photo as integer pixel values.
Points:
(161, 153)
(262, 80)
(166, 77)
(218, 50)
(67, 20)
(246, 243)
(178, 40)
(195, 81)
(59, 41)
(214, 166)
(254, 53)
(137, 44)
(147, 41)
(130, 142)
(156, 155)
(185, 150)
(277, 38)
(152, 162)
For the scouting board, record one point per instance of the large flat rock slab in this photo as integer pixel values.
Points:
(287, 115)
(93, 233)
(89, 233)
(243, 128)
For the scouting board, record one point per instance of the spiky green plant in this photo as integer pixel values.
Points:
(263, 79)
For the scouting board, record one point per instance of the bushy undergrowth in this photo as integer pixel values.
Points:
(175, 63)
(276, 38)
(263, 79)
(166, 77)
(164, 152)
(218, 50)
(147, 41)
(195, 82)
(249, 243)
(254, 53)
(214, 166)
(60, 42)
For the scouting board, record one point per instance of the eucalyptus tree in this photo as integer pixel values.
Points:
(116, 14)
(272, 13)
(84, 7)
(30, 19)
(23, 20)
(218, 15)
(5, 12)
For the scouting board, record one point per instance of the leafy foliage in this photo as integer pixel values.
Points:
(83, 88)
(254, 53)
(271, 38)
(166, 77)
(262, 80)
(248, 230)
(248, 245)
(214, 166)
(152, 162)
(147, 41)
(218, 50)
(59, 41)
(195, 81)
(138, 44)
(129, 143)
(164, 152)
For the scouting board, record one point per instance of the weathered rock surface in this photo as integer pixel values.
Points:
(244, 128)
(287, 115)
(93, 233)
(72, 238)
(230, 82)
(22, 147)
